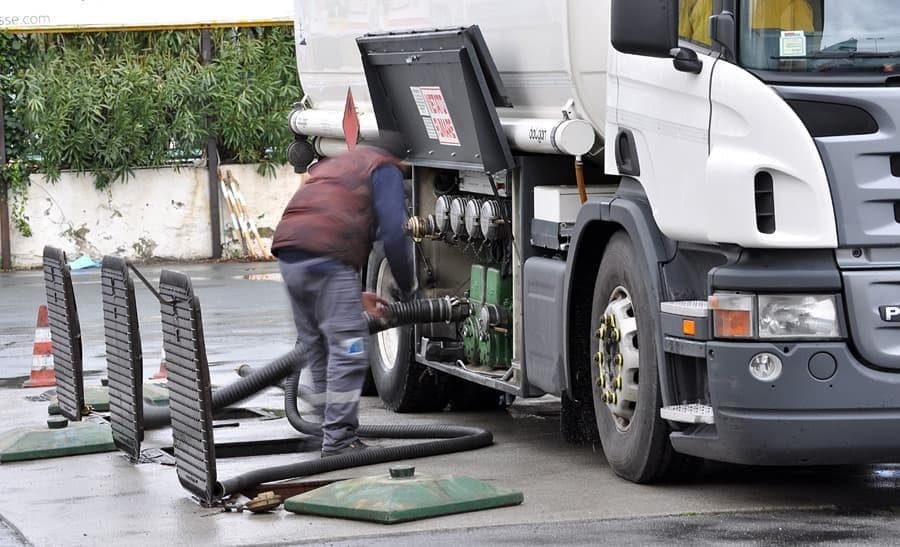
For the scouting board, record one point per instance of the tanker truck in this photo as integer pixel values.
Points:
(682, 217)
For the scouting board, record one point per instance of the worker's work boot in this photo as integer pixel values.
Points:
(355, 446)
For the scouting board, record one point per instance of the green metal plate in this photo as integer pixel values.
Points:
(32, 443)
(96, 397)
(389, 500)
(156, 394)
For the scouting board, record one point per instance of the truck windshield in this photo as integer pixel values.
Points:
(837, 36)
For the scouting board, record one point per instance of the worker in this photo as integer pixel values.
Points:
(782, 14)
(693, 21)
(322, 242)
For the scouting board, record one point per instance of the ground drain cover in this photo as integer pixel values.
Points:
(59, 439)
(402, 496)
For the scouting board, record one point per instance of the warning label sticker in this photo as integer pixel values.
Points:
(435, 115)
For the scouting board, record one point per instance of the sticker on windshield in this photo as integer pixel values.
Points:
(793, 43)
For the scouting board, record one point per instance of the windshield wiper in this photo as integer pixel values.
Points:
(841, 55)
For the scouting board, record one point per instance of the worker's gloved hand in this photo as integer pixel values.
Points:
(374, 305)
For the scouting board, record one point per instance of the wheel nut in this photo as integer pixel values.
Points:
(618, 382)
(619, 360)
(617, 335)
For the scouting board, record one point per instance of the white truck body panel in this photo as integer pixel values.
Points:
(547, 52)
(698, 164)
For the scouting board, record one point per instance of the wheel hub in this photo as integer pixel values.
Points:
(388, 340)
(617, 358)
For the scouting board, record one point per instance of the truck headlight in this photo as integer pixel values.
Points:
(733, 315)
(798, 316)
(775, 316)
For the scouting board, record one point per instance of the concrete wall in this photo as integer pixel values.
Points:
(158, 213)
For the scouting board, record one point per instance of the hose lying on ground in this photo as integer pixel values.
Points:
(452, 438)
(449, 438)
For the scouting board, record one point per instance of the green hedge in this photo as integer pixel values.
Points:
(16, 54)
(108, 103)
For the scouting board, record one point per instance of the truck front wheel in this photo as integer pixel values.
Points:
(402, 384)
(624, 375)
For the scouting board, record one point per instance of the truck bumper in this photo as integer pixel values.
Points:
(805, 417)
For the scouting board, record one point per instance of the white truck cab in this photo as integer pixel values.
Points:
(727, 290)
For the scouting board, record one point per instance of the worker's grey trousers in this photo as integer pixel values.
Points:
(327, 306)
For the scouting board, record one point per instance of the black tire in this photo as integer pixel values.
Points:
(467, 396)
(402, 384)
(637, 448)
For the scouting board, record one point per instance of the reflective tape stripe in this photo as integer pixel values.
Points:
(341, 397)
(42, 334)
(42, 362)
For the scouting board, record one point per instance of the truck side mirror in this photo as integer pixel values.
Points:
(645, 27)
(723, 31)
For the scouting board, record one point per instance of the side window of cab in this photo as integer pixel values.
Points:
(693, 21)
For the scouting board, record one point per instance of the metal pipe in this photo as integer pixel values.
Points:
(330, 124)
(572, 137)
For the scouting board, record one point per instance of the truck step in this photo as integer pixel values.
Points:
(690, 414)
(688, 308)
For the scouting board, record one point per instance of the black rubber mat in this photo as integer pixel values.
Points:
(190, 396)
(65, 331)
(124, 361)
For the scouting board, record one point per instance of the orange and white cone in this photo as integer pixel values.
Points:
(163, 372)
(42, 372)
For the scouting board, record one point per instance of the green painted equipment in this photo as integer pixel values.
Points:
(486, 332)
(401, 496)
(58, 439)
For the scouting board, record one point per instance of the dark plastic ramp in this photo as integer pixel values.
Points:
(65, 332)
(124, 360)
(190, 396)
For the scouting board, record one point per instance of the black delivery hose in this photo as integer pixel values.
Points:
(456, 439)
(451, 438)
(158, 416)
(257, 380)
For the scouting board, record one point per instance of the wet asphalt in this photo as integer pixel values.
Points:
(571, 496)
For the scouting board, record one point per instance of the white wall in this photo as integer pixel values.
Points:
(158, 213)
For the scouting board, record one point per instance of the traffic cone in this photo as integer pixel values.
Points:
(42, 373)
(162, 373)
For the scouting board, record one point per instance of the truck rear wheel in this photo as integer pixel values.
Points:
(624, 374)
(402, 384)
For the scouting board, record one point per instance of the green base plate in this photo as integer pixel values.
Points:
(32, 443)
(156, 394)
(97, 397)
(390, 500)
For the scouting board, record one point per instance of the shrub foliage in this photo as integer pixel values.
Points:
(108, 103)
